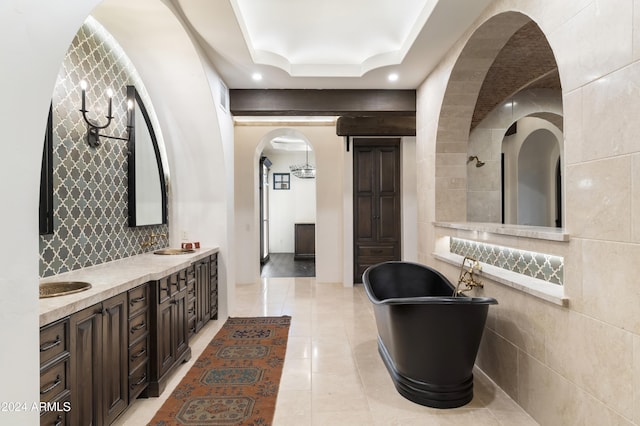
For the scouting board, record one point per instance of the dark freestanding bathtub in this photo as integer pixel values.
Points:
(427, 339)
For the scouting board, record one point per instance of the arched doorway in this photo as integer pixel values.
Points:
(287, 204)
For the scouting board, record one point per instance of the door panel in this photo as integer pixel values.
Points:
(388, 221)
(115, 362)
(365, 227)
(376, 202)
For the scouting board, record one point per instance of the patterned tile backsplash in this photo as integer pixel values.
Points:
(90, 184)
(544, 267)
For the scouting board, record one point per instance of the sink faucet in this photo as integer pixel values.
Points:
(466, 275)
(152, 240)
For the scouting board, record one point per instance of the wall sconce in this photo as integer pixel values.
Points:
(93, 133)
(477, 160)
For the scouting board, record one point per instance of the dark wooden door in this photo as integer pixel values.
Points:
(115, 363)
(376, 202)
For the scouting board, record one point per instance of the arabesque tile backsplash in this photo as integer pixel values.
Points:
(90, 184)
(542, 266)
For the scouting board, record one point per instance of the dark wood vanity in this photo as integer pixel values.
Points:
(98, 360)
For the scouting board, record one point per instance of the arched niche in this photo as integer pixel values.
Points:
(532, 189)
(493, 83)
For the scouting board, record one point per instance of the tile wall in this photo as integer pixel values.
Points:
(90, 184)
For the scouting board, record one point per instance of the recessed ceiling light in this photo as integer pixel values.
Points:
(393, 77)
(256, 76)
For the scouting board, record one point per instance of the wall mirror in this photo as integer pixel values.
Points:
(46, 180)
(147, 189)
(516, 135)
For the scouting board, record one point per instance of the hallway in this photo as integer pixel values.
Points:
(333, 374)
(284, 265)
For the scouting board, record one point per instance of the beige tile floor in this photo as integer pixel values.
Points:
(333, 374)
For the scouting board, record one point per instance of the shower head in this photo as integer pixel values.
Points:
(478, 162)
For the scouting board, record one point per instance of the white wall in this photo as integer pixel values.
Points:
(34, 37)
(288, 207)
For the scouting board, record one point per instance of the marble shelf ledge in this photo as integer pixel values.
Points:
(112, 278)
(536, 232)
(553, 293)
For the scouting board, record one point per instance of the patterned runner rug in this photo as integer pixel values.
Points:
(235, 381)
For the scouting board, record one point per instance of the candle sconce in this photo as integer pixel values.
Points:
(93, 132)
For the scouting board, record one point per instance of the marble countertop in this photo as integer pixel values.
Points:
(112, 278)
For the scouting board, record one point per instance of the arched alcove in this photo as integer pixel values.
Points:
(507, 57)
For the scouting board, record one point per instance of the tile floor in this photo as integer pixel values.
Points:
(333, 374)
(284, 265)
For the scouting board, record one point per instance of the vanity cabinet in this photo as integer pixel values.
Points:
(169, 344)
(202, 293)
(99, 363)
(55, 371)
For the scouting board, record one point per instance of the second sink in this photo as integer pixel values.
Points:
(174, 251)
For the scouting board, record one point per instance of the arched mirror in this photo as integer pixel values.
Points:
(147, 190)
(515, 147)
(531, 181)
(46, 180)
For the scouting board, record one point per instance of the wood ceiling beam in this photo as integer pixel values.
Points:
(338, 102)
(377, 126)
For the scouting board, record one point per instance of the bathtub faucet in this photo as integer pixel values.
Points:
(467, 269)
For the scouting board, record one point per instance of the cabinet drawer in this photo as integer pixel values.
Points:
(191, 273)
(138, 299)
(191, 309)
(163, 289)
(54, 381)
(138, 381)
(213, 267)
(138, 354)
(57, 418)
(54, 340)
(376, 250)
(191, 290)
(181, 280)
(191, 325)
(138, 326)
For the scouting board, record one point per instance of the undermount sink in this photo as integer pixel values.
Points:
(174, 251)
(62, 288)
